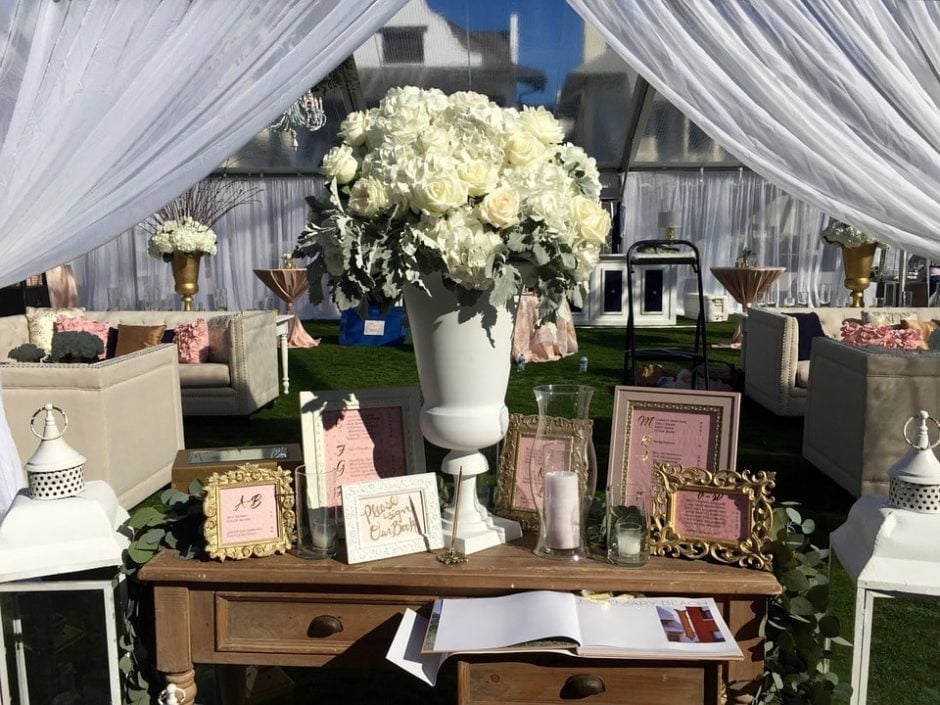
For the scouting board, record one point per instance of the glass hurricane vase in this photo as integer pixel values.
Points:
(563, 470)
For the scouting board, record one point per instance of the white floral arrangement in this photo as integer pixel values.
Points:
(839, 233)
(183, 235)
(430, 183)
(185, 223)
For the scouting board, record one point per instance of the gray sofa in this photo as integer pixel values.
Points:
(240, 376)
(858, 402)
(773, 374)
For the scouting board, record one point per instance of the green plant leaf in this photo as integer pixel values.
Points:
(829, 627)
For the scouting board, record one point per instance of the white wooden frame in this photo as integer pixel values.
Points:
(313, 404)
(359, 497)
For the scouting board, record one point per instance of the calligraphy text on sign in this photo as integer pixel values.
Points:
(719, 516)
(363, 445)
(390, 517)
(248, 513)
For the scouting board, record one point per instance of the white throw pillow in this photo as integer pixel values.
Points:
(41, 323)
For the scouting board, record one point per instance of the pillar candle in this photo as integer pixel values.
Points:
(562, 509)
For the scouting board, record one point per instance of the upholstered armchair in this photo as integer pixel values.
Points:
(125, 415)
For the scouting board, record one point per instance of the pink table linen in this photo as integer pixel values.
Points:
(289, 285)
(745, 284)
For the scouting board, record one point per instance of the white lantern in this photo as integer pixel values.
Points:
(888, 546)
(56, 469)
(915, 478)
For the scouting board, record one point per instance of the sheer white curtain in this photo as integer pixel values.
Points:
(836, 101)
(110, 109)
(723, 212)
(252, 236)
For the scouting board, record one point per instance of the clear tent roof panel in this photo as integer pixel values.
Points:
(517, 52)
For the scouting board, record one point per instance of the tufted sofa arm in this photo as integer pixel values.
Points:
(770, 362)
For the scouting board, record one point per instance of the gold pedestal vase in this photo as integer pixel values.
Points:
(857, 262)
(186, 275)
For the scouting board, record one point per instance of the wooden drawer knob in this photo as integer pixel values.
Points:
(324, 625)
(582, 685)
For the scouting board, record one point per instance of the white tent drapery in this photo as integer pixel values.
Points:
(835, 101)
(110, 109)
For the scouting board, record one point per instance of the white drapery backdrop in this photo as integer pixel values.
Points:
(110, 109)
(723, 212)
(836, 101)
(720, 211)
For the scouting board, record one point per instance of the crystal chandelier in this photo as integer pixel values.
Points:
(305, 113)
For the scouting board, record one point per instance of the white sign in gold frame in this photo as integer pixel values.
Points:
(361, 435)
(392, 517)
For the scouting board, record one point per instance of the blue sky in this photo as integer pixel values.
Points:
(549, 34)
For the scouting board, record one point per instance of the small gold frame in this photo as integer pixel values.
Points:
(512, 475)
(272, 483)
(714, 501)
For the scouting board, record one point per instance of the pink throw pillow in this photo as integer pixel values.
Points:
(867, 335)
(79, 323)
(192, 341)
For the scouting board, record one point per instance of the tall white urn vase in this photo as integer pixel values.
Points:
(463, 358)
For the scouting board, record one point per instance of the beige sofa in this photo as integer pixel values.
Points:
(859, 399)
(240, 376)
(773, 376)
(125, 415)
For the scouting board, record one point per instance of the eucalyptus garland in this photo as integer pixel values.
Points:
(174, 523)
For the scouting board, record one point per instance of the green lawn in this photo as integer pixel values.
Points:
(905, 660)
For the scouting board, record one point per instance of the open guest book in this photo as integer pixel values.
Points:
(635, 628)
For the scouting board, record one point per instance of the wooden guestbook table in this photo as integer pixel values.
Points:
(286, 611)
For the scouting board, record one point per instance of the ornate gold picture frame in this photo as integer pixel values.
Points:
(249, 511)
(513, 482)
(726, 515)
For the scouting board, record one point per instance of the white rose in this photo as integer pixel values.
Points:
(523, 148)
(367, 197)
(500, 208)
(542, 124)
(590, 220)
(354, 127)
(340, 164)
(479, 176)
(438, 193)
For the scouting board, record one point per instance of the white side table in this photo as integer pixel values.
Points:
(282, 324)
(887, 552)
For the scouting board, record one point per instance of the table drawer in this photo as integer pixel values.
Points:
(535, 678)
(306, 623)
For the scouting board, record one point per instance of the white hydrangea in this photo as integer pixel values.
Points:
(185, 235)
